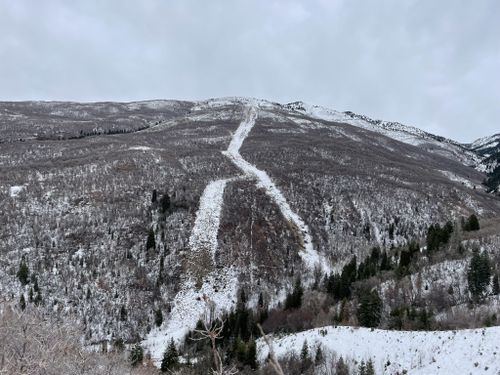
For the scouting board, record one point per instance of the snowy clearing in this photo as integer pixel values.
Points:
(14, 191)
(474, 351)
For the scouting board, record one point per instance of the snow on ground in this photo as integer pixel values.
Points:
(206, 225)
(394, 130)
(140, 148)
(191, 304)
(309, 256)
(14, 191)
(219, 290)
(474, 351)
(456, 178)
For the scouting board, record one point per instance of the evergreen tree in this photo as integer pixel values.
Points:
(341, 367)
(240, 351)
(158, 317)
(123, 313)
(150, 243)
(385, 263)
(154, 196)
(22, 302)
(136, 354)
(318, 358)
(30, 295)
(294, 300)
(362, 368)
(370, 369)
(496, 287)
(471, 224)
(305, 360)
(23, 272)
(370, 309)
(170, 359)
(251, 358)
(165, 203)
(478, 274)
(304, 352)
(34, 280)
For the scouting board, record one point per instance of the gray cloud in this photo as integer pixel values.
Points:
(431, 64)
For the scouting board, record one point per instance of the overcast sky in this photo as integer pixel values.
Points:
(432, 64)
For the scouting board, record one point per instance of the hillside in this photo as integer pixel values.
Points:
(488, 148)
(126, 212)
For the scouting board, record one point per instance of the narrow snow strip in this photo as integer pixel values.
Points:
(140, 148)
(309, 256)
(206, 225)
(472, 351)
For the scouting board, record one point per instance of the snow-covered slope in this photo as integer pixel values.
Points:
(395, 130)
(486, 146)
(475, 351)
(192, 302)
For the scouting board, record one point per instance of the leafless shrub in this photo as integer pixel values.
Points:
(30, 344)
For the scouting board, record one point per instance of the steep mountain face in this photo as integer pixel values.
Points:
(488, 148)
(122, 210)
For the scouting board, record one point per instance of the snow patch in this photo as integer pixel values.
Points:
(14, 191)
(140, 148)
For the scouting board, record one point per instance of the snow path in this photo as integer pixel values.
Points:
(219, 288)
(471, 351)
(206, 225)
(309, 256)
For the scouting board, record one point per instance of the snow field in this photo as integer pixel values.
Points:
(474, 351)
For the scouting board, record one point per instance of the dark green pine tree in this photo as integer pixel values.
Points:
(158, 317)
(170, 359)
(165, 203)
(496, 286)
(251, 358)
(370, 369)
(479, 274)
(23, 272)
(154, 196)
(472, 223)
(305, 359)
(123, 313)
(304, 352)
(294, 300)
(341, 367)
(385, 263)
(318, 358)
(150, 243)
(136, 355)
(22, 302)
(370, 309)
(362, 368)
